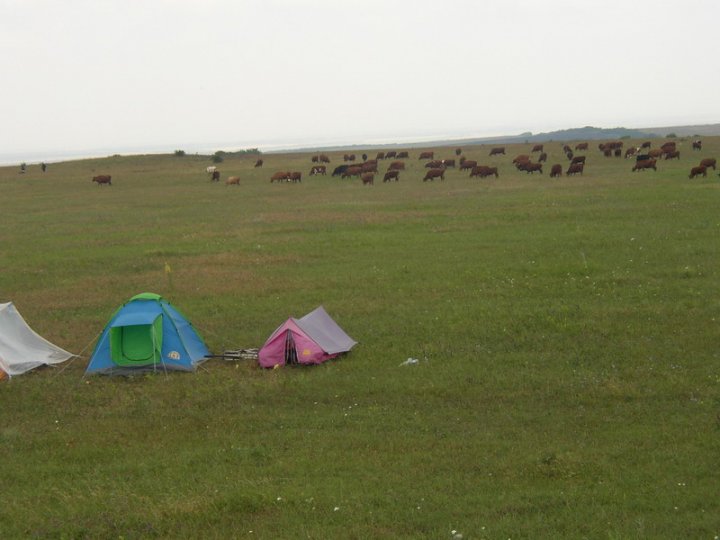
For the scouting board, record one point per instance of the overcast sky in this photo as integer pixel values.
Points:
(119, 74)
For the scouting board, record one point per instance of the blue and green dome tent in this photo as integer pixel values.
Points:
(147, 334)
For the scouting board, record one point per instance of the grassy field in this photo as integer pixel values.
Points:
(567, 331)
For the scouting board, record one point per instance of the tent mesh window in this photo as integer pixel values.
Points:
(290, 352)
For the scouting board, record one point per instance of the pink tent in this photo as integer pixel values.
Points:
(311, 339)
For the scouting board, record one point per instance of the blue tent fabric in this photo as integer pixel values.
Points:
(182, 347)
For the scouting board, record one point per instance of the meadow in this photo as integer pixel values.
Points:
(568, 383)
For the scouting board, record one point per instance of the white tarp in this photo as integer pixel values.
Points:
(21, 349)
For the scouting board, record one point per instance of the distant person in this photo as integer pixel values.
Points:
(43, 167)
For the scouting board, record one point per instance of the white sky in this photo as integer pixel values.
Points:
(117, 74)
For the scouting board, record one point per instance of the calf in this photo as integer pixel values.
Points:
(368, 178)
(556, 171)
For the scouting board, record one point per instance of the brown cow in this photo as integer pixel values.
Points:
(427, 155)
(575, 168)
(215, 176)
(697, 171)
(556, 171)
(280, 176)
(530, 168)
(318, 169)
(697, 145)
(646, 144)
(434, 164)
(709, 162)
(435, 173)
(390, 154)
(497, 150)
(259, 163)
(397, 166)
(103, 179)
(578, 159)
(645, 164)
(369, 166)
(468, 164)
(391, 175)
(630, 152)
(295, 177)
(315, 159)
(483, 171)
(655, 153)
(403, 154)
(581, 146)
(448, 163)
(674, 154)
(368, 178)
(323, 158)
(542, 158)
(521, 158)
(458, 151)
(537, 148)
(232, 180)
(380, 155)
(348, 157)
(351, 171)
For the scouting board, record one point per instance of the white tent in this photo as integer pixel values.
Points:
(21, 349)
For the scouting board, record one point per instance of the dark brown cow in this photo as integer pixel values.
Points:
(655, 153)
(458, 151)
(448, 163)
(497, 151)
(630, 152)
(280, 176)
(435, 173)
(323, 158)
(368, 179)
(645, 164)
(542, 158)
(403, 154)
(468, 164)
(397, 166)
(646, 144)
(259, 163)
(520, 158)
(707, 163)
(390, 154)
(318, 169)
(531, 168)
(575, 168)
(578, 159)
(483, 171)
(215, 176)
(391, 175)
(537, 148)
(674, 154)
(369, 166)
(697, 171)
(295, 177)
(668, 146)
(349, 157)
(556, 171)
(569, 154)
(103, 179)
(351, 171)
(581, 146)
(427, 155)
(315, 159)
(380, 155)
(697, 145)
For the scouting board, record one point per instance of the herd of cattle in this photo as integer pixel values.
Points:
(365, 168)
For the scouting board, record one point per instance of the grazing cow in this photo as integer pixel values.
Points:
(323, 158)
(259, 163)
(103, 179)
(655, 153)
(531, 168)
(578, 159)
(315, 159)
(380, 155)
(369, 166)
(697, 145)
(391, 175)
(520, 159)
(352, 171)
(397, 166)
(339, 170)
(707, 163)
(497, 151)
(556, 171)
(618, 152)
(575, 168)
(697, 171)
(569, 154)
(232, 180)
(349, 157)
(581, 146)
(364, 156)
(607, 152)
(646, 164)
(674, 154)
(215, 176)
(630, 152)
(668, 146)
(434, 164)
(566, 148)
(458, 151)
(295, 177)
(435, 173)
(483, 171)
(542, 158)
(448, 163)
(390, 154)
(318, 169)
(427, 155)
(368, 178)
(646, 144)
(468, 164)
(537, 148)
(280, 176)
(404, 154)
(211, 169)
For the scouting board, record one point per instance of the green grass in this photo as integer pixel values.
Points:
(569, 382)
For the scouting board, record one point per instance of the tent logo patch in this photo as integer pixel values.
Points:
(306, 352)
(173, 355)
